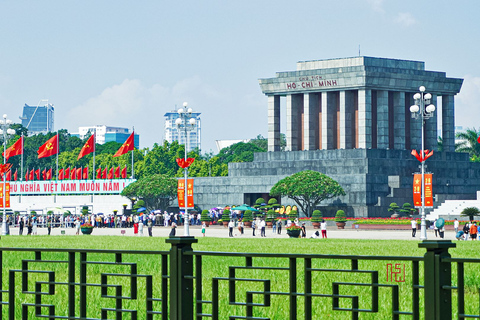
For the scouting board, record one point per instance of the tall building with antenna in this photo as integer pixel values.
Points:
(38, 119)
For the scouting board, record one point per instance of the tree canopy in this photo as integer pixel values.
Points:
(156, 190)
(469, 143)
(307, 188)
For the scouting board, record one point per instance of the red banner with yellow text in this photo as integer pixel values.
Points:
(417, 190)
(428, 191)
(181, 193)
(7, 195)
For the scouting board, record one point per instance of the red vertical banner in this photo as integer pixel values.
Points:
(189, 193)
(7, 195)
(181, 193)
(428, 191)
(417, 190)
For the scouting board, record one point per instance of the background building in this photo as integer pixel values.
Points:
(107, 134)
(173, 134)
(38, 119)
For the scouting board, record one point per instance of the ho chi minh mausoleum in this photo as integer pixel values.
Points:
(349, 118)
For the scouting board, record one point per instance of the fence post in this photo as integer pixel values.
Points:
(437, 274)
(181, 278)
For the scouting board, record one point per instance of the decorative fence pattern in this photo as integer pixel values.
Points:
(106, 284)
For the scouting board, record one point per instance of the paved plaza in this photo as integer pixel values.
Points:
(221, 232)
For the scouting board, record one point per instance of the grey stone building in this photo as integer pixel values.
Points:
(349, 118)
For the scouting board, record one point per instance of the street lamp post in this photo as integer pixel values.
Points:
(185, 122)
(422, 109)
(5, 130)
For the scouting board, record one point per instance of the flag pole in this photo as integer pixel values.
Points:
(133, 172)
(94, 149)
(58, 149)
(21, 164)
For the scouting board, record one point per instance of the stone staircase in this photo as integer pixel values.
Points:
(453, 208)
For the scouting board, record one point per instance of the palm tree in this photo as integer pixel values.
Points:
(469, 142)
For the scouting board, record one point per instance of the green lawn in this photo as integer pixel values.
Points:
(215, 266)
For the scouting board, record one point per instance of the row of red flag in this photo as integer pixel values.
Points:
(50, 147)
(69, 173)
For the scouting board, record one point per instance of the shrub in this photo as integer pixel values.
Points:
(270, 215)
(316, 216)
(205, 216)
(226, 215)
(340, 216)
(247, 216)
(394, 208)
(293, 214)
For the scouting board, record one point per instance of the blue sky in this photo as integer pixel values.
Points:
(126, 63)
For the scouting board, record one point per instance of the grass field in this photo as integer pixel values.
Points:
(214, 266)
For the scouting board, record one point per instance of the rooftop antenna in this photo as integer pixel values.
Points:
(359, 51)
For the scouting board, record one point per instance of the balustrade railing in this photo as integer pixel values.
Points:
(187, 284)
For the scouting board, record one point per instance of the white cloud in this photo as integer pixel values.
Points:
(467, 104)
(406, 19)
(225, 115)
(377, 5)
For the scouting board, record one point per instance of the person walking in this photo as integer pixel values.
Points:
(279, 227)
(140, 227)
(473, 231)
(29, 226)
(254, 224)
(49, 225)
(150, 227)
(34, 226)
(435, 228)
(231, 224)
(77, 225)
(204, 226)
(414, 227)
(241, 225)
(323, 228)
(455, 225)
(20, 226)
(304, 230)
(466, 229)
(173, 231)
(262, 226)
(274, 226)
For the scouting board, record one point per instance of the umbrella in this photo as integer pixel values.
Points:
(440, 223)
(141, 209)
(244, 207)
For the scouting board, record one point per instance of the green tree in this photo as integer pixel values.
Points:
(239, 152)
(156, 190)
(470, 212)
(307, 188)
(469, 143)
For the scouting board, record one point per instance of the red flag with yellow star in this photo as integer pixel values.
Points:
(87, 148)
(49, 148)
(14, 150)
(128, 145)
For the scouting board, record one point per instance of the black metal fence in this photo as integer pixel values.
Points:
(186, 284)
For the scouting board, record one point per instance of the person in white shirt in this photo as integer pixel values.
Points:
(455, 225)
(231, 224)
(414, 227)
(323, 227)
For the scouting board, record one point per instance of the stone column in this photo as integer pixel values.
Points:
(311, 104)
(448, 123)
(328, 109)
(273, 123)
(431, 131)
(346, 118)
(399, 117)
(364, 118)
(294, 106)
(382, 119)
